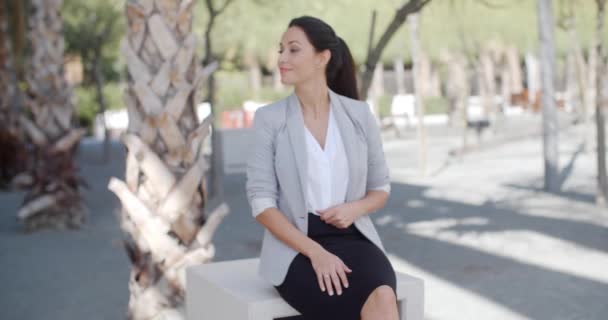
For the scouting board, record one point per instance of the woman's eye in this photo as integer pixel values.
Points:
(292, 51)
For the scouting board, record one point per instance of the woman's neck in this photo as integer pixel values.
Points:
(314, 97)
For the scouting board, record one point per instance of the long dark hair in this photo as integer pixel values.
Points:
(340, 70)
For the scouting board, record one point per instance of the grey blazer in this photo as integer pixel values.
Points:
(276, 169)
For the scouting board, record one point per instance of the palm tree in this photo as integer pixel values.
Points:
(10, 150)
(53, 197)
(164, 191)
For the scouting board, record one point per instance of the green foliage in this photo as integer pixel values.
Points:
(384, 105)
(270, 94)
(86, 101)
(233, 89)
(435, 105)
(230, 90)
(91, 25)
(455, 25)
(256, 27)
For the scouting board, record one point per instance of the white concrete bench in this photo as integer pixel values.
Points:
(232, 290)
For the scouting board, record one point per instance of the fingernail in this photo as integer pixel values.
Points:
(331, 293)
(346, 286)
(339, 293)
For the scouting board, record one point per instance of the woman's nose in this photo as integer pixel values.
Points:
(282, 59)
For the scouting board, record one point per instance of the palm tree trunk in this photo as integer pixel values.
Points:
(12, 153)
(53, 196)
(164, 193)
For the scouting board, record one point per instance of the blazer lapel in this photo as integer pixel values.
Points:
(295, 129)
(348, 135)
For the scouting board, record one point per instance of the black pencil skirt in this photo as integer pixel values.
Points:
(370, 269)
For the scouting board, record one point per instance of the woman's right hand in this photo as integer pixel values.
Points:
(330, 270)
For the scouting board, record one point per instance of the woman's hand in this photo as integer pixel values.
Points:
(330, 270)
(342, 215)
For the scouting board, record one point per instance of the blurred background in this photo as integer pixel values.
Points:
(125, 130)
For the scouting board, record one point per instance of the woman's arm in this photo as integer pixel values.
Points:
(273, 220)
(373, 201)
(262, 187)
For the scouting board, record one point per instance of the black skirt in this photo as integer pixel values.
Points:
(370, 269)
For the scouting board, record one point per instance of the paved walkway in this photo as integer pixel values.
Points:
(480, 231)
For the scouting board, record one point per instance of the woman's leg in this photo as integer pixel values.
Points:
(380, 305)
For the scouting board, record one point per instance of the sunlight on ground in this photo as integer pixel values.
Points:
(527, 247)
(437, 291)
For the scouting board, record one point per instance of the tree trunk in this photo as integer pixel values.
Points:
(373, 56)
(164, 192)
(506, 89)
(399, 75)
(12, 153)
(8, 85)
(602, 192)
(18, 33)
(515, 76)
(377, 88)
(416, 72)
(424, 67)
(591, 93)
(216, 173)
(434, 83)
(579, 77)
(533, 79)
(571, 97)
(101, 100)
(457, 92)
(53, 197)
(488, 84)
(550, 123)
(271, 65)
(255, 76)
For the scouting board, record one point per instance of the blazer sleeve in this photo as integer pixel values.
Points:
(261, 184)
(377, 169)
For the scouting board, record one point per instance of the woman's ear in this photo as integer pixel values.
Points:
(326, 56)
(323, 58)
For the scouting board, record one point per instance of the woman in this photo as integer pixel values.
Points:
(315, 172)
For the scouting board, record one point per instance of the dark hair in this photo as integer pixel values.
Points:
(340, 70)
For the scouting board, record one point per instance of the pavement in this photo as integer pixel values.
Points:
(477, 228)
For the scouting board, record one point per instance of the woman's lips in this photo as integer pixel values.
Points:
(283, 70)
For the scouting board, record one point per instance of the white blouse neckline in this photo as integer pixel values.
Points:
(327, 170)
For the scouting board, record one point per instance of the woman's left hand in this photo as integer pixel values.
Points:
(341, 216)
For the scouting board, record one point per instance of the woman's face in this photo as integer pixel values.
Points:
(298, 59)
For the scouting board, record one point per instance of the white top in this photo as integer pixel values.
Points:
(327, 172)
(327, 169)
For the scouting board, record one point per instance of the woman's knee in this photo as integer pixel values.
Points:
(380, 304)
(385, 295)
